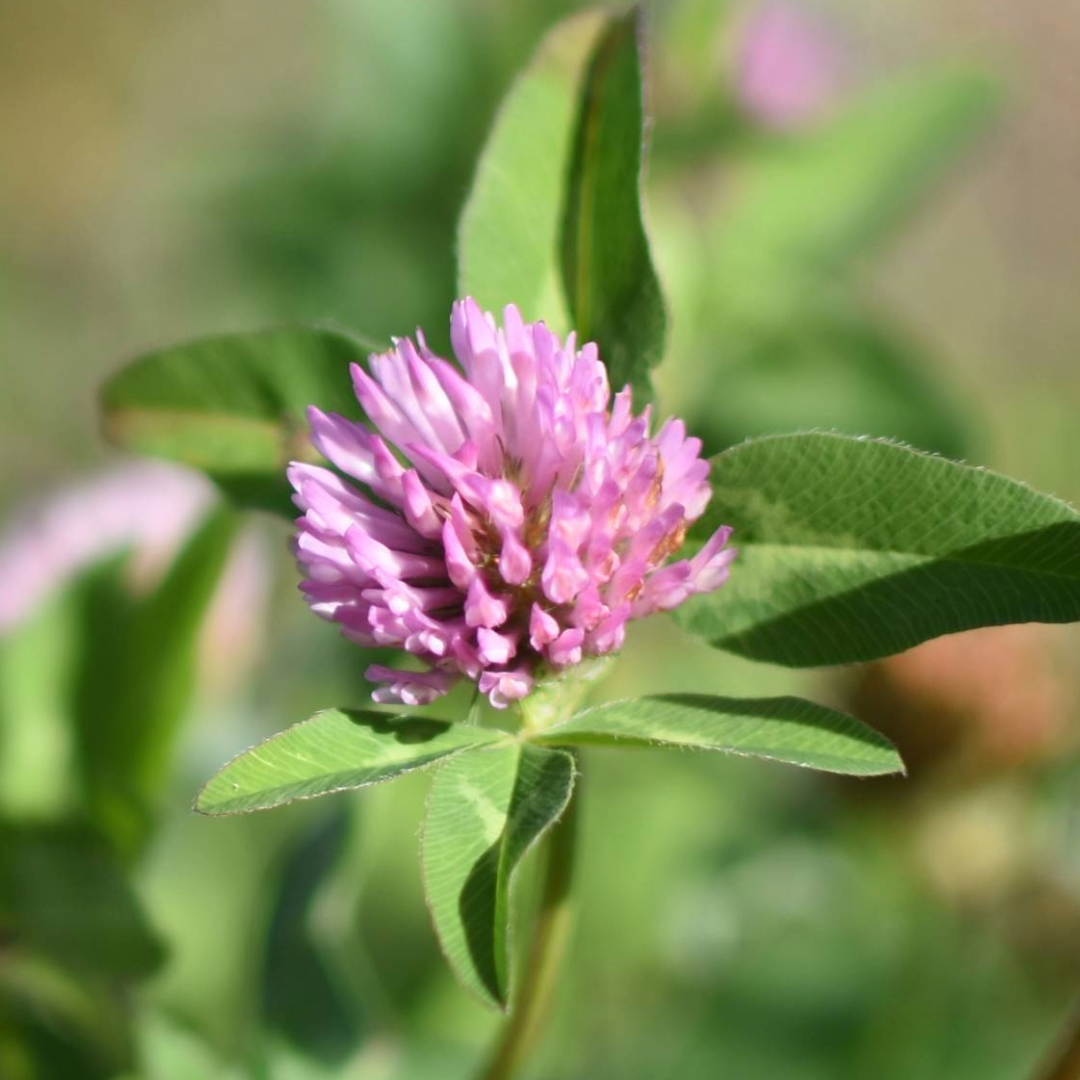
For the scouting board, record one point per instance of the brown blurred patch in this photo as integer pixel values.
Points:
(66, 68)
(972, 705)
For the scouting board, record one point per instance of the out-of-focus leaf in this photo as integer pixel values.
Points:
(485, 810)
(509, 230)
(166, 1051)
(608, 274)
(782, 729)
(137, 677)
(282, 1060)
(38, 780)
(63, 897)
(808, 204)
(828, 368)
(234, 405)
(853, 549)
(336, 750)
(58, 1023)
(302, 1001)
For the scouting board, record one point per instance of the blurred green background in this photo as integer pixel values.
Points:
(899, 257)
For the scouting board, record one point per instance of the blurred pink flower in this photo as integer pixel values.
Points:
(145, 507)
(532, 521)
(148, 510)
(786, 65)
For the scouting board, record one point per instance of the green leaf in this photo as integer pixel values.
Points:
(853, 549)
(810, 203)
(63, 897)
(136, 678)
(234, 405)
(61, 1023)
(509, 230)
(610, 282)
(782, 729)
(38, 658)
(335, 750)
(168, 1051)
(485, 810)
(305, 977)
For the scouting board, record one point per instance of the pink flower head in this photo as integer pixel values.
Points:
(524, 519)
(787, 65)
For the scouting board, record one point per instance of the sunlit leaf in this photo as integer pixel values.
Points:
(234, 405)
(336, 750)
(509, 229)
(782, 729)
(853, 549)
(485, 810)
(608, 274)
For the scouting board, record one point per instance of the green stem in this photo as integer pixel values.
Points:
(1064, 1062)
(550, 936)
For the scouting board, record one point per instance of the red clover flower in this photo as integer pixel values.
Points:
(524, 519)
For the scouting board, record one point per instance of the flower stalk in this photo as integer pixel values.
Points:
(554, 922)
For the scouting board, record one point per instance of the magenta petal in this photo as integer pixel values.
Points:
(515, 562)
(459, 567)
(710, 566)
(543, 628)
(563, 576)
(505, 687)
(566, 648)
(482, 608)
(409, 687)
(418, 506)
(609, 635)
(372, 556)
(496, 648)
(354, 450)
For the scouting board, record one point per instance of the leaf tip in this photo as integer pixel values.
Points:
(199, 805)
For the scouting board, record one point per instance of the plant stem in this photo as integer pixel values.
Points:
(551, 933)
(1064, 1062)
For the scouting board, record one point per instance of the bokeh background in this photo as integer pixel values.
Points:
(171, 170)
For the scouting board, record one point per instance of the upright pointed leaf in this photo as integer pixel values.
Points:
(853, 549)
(610, 282)
(336, 750)
(234, 405)
(484, 812)
(783, 729)
(509, 230)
